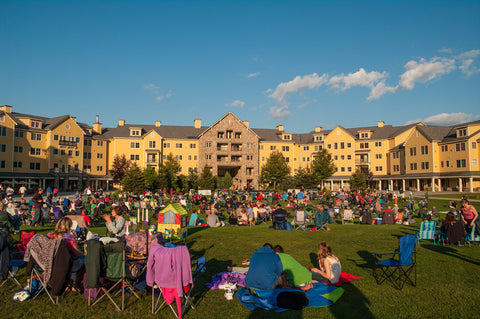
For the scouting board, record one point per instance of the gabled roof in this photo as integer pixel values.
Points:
(221, 119)
(166, 131)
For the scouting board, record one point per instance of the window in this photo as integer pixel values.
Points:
(263, 158)
(474, 145)
(70, 153)
(134, 157)
(342, 145)
(18, 133)
(87, 155)
(152, 144)
(363, 135)
(273, 148)
(178, 157)
(85, 142)
(349, 157)
(134, 144)
(193, 145)
(260, 147)
(35, 137)
(342, 169)
(424, 149)
(460, 147)
(18, 149)
(306, 148)
(238, 135)
(335, 157)
(462, 132)
(77, 153)
(249, 171)
(413, 166)
(349, 169)
(34, 166)
(474, 162)
(3, 148)
(99, 168)
(378, 156)
(447, 163)
(444, 148)
(395, 155)
(34, 124)
(378, 168)
(55, 137)
(335, 146)
(178, 145)
(413, 151)
(249, 157)
(287, 159)
(461, 163)
(342, 157)
(250, 145)
(287, 137)
(220, 134)
(318, 138)
(329, 146)
(285, 148)
(35, 151)
(425, 165)
(441, 164)
(208, 144)
(3, 164)
(135, 132)
(208, 156)
(229, 134)
(349, 145)
(364, 145)
(99, 143)
(62, 152)
(396, 168)
(166, 145)
(17, 164)
(315, 148)
(378, 144)
(194, 157)
(99, 155)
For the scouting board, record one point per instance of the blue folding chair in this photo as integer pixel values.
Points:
(401, 267)
(427, 231)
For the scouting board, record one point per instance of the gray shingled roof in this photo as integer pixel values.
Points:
(166, 131)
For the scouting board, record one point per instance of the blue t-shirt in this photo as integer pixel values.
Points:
(193, 217)
(300, 195)
(265, 268)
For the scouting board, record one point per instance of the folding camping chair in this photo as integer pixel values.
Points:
(322, 219)
(300, 220)
(347, 216)
(115, 272)
(398, 269)
(49, 262)
(427, 231)
(13, 266)
(170, 279)
(472, 236)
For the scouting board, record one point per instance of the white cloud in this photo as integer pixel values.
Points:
(446, 50)
(151, 87)
(360, 78)
(252, 75)
(447, 119)
(424, 71)
(380, 89)
(298, 84)
(279, 112)
(466, 60)
(236, 103)
(159, 98)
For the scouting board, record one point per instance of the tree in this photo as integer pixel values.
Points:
(304, 177)
(119, 168)
(151, 178)
(168, 172)
(206, 179)
(275, 170)
(322, 166)
(227, 181)
(134, 181)
(358, 181)
(192, 179)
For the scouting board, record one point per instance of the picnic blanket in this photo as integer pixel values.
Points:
(345, 277)
(320, 295)
(224, 277)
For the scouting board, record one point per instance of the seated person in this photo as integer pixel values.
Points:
(265, 271)
(83, 213)
(194, 221)
(329, 266)
(453, 229)
(63, 230)
(117, 225)
(296, 274)
(212, 220)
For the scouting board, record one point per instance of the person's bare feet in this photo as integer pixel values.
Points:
(307, 287)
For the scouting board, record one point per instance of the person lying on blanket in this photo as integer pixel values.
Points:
(297, 275)
(329, 266)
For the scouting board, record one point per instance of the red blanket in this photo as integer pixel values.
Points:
(344, 277)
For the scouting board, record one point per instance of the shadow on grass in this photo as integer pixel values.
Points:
(451, 252)
(353, 304)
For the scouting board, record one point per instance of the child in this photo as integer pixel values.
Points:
(329, 266)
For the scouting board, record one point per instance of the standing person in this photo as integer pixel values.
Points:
(329, 265)
(10, 192)
(55, 192)
(37, 200)
(469, 215)
(22, 191)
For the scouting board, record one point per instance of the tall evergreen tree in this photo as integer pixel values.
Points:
(206, 179)
(168, 172)
(120, 166)
(358, 181)
(275, 170)
(227, 181)
(151, 178)
(322, 166)
(134, 181)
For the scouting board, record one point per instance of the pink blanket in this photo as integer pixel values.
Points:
(344, 277)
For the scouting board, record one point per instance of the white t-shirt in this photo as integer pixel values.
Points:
(336, 269)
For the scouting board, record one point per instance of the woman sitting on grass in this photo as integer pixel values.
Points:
(329, 266)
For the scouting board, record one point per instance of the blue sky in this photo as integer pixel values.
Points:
(297, 63)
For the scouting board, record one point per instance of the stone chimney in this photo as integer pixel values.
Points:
(381, 124)
(247, 124)
(6, 108)
(158, 123)
(318, 129)
(197, 123)
(97, 126)
(121, 122)
(280, 127)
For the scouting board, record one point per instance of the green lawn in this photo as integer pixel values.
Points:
(447, 277)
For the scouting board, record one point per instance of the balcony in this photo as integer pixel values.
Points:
(222, 148)
(362, 162)
(152, 162)
(67, 143)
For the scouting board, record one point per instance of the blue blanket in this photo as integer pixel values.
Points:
(320, 295)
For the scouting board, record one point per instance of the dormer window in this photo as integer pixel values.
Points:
(287, 137)
(462, 132)
(364, 135)
(135, 132)
(35, 124)
(318, 138)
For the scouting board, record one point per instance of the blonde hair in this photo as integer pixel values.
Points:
(63, 226)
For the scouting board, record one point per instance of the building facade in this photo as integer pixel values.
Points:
(60, 152)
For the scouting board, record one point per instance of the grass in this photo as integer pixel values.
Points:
(447, 277)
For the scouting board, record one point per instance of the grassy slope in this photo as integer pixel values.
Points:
(447, 281)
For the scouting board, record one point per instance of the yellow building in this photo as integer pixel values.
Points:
(61, 152)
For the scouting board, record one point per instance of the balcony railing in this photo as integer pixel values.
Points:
(67, 143)
(362, 162)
